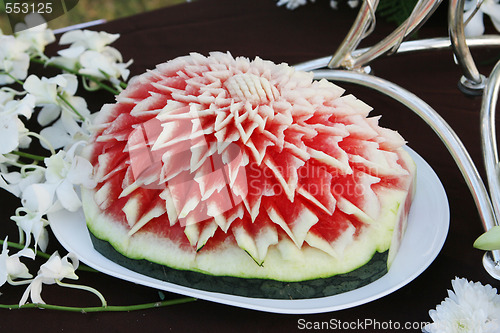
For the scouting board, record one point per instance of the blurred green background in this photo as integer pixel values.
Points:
(90, 10)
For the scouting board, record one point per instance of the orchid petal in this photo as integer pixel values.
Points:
(112, 53)
(16, 268)
(56, 167)
(24, 297)
(9, 135)
(6, 96)
(71, 84)
(3, 263)
(68, 197)
(44, 90)
(36, 291)
(57, 268)
(60, 80)
(48, 114)
(56, 135)
(475, 27)
(33, 224)
(11, 267)
(71, 52)
(492, 9)
(68, 62)
(17, 182)
(38, 197)
(8, 179)
(23, 107)
(81, 173)
(71, 37)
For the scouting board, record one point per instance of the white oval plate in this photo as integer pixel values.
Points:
(425, 235)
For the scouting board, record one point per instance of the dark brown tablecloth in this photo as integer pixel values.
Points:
(259, 28)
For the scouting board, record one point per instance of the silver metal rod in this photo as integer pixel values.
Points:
(410, 46)
(437, 123)
(422, 11)
(472, 78)
(365, 18)
(489, 142)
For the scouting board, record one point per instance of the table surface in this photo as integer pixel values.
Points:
(259, 28)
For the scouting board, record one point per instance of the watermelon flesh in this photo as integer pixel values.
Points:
(232, 167)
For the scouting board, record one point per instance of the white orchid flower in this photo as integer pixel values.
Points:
(16, 182)
(37, 200)
(14, 59)
(12, 129)
(64, 171)
(53, 271)
(88, 39)
(56, 96)
(475, 26)
(90, 54)
(85, 40)
(35, 32)
(64, 135)
(46, 89)
(11, 268)
(103, 66)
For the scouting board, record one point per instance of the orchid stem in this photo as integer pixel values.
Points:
(86, 288)
(13, 78)
(82, 118)
(109, 308)
(18, 283)
(28, 155)
(44, 140)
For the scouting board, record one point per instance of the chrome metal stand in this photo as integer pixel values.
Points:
(350, 65)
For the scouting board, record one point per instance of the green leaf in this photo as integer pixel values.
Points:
(396, 11)
(490, 240)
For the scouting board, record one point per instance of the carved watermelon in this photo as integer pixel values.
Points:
(246, 169)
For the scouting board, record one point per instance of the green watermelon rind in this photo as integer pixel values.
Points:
(255, 288)
(285, 262)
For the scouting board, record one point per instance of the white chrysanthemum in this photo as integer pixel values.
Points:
(470, 307)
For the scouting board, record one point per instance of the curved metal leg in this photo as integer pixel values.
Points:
(345, 56)
(472, 82)
(491, 261)
(359, 30)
